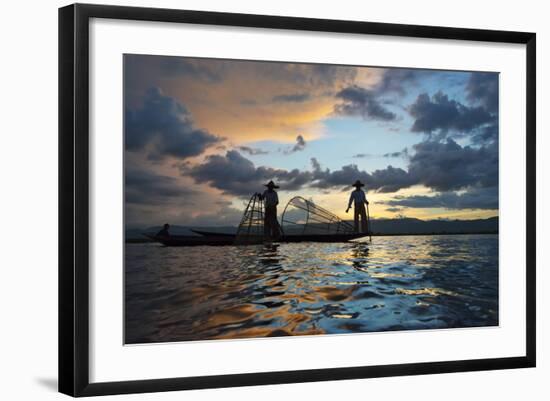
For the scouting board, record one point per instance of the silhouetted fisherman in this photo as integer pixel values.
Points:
(359, 200)
(271, 200)
(164, 233)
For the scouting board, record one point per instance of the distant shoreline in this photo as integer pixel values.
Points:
(147, 240)
(435, 233)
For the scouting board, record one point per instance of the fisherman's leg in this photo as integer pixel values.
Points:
(269, 217)
(276, 229)
(267, 223)
(363, 220)
(356, 219)
(270, 233)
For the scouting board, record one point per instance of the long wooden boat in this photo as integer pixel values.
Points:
(314, 224)
(220, 239)
(192, 240)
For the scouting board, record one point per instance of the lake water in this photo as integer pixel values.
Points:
(393, 283)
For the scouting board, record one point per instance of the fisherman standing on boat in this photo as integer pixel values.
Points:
(359, 200)
(164, 233)
(271, 200)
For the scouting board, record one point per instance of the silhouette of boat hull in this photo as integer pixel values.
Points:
(220, 239)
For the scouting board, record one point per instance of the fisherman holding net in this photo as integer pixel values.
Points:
(359, 200)
(271, 200)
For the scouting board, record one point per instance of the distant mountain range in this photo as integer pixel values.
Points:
(402, 226)
(417, 226)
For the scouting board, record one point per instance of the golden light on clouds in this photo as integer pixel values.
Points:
(245, 107)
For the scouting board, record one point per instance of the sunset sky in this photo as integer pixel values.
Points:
(202, 135)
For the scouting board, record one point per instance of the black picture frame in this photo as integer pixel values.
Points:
(74, 201)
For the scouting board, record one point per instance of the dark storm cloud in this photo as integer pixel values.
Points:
(482, 89)
(358, 101)
(341, 178)
(436, 165)
(394, 209)
(475, 198)
(395, 79)
(292, 98)
(389, 179)
(439, 113)
(439, 166)
(486, 134)
(163, 127)
(234, 174)
(449, 166)
(370, 103)
(252, 151)
(447, 117)
(145, 187)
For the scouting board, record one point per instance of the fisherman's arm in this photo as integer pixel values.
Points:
(349, 203)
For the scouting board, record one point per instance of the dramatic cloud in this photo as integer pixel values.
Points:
(439, 166)
(163, 127)
(146, 187)
(447, 117)
(396, 79)
(252, 151)
(362, 102)
(294, 97)
(362, 156)
(449, 166)
(389, 179)
(476, 198)
(482, 89)
(236, 175)
(370, 103)
(439, 113)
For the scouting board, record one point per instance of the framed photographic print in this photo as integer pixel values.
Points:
(250, 199)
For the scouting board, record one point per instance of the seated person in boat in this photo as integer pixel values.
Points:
(359, 200)
(164, 233)
(271, 200)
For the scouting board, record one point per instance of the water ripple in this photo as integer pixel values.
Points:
(395, 283)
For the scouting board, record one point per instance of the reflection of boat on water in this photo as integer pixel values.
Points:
(301, 221)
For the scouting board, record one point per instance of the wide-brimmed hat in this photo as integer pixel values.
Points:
(358, 184)
(271, 184)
